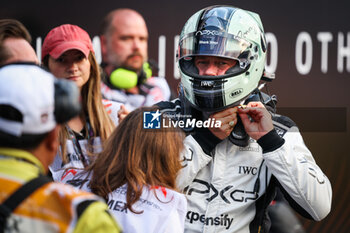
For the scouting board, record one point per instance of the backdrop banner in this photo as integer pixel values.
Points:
(308, 50)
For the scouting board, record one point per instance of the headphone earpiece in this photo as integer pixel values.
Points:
(147, 68)
(125, 79)
(67, 100)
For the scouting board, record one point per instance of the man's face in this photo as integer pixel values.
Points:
(21, 51)
(213, 66)
(126, 45)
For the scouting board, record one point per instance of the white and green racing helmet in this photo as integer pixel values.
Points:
(227, 32)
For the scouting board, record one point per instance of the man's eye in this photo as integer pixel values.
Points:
(144, 39)
(125, 38)
(202, 62)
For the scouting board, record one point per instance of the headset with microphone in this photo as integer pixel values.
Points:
(122, 78)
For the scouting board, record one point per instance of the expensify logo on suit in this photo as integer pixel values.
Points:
(151, 120)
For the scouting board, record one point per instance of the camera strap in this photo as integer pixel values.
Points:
(11, 203)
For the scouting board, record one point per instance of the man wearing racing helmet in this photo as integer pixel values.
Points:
(231, 172)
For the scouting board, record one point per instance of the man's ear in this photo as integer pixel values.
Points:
(52, 141)
(103, 42)
(47, 150)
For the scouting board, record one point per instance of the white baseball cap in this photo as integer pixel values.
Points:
(27, 100)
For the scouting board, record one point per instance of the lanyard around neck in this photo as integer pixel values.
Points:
(76, 144)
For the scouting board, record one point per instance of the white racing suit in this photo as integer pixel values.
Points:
(228, 188)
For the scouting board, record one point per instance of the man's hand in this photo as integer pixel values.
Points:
(228, 118)
(261, 122)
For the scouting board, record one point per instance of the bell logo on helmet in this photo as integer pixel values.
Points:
(236, 92)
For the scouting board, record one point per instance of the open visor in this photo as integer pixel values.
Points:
(214, 43)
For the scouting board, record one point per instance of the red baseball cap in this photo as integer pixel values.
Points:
(64, 38)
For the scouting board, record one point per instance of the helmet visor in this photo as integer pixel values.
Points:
(215, 43)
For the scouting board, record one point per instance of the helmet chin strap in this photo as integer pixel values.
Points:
(238, 136)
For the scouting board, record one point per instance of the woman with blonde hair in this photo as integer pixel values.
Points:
(68, 53)
(136, 174)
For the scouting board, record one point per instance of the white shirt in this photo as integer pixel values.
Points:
(59, 170)
(164, 210)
